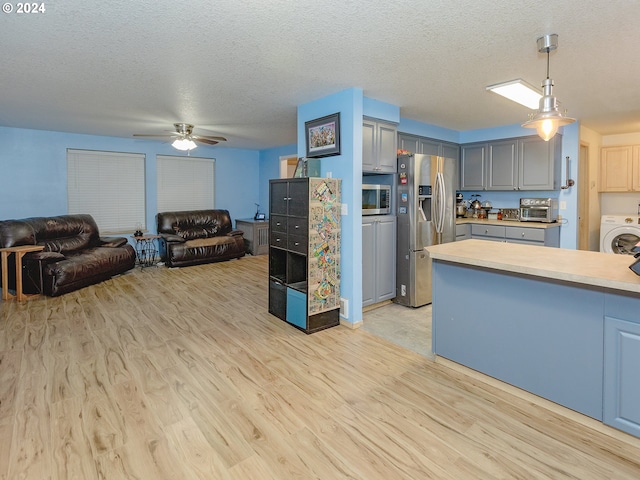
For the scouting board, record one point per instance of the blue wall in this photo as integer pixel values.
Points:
(348, 167)
(33, 165)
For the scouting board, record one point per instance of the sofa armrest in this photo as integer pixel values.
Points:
(235, 233)
(112, 241)
(44, 257)
(170, 238)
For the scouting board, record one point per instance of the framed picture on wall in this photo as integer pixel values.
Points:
(323, 136)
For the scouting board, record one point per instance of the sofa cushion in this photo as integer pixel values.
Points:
(65, 233)
(192, 224)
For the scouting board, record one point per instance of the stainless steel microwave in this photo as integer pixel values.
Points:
(376, 199)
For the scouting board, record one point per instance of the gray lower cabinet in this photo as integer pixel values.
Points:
(545, 237)
(379, 146)
(527, 163)
(621, 364)
(463, 231)
(378, 259)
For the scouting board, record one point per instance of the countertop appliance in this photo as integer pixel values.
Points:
(376, 199)
(510, 214)
(619, 233)
(426, 216)
(539, 210)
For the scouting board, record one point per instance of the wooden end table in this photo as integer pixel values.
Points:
(19, 252)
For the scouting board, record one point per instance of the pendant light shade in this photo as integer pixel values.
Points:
(548, 118)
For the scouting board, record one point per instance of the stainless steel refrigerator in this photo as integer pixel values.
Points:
(426, 216)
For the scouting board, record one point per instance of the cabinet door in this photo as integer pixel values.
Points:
(298, 198)
(410, 143)
(368, 262)
(450, 150)
(621, 375)
(616, 169)
(502, 170)
(539, 163)
(429, 147)
(369, 160)
(385, 256)
(472, 166)
(387, 147)
(278, 195)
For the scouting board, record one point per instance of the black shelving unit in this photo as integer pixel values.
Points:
(304, 252)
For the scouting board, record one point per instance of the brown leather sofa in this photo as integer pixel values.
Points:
(74, 254)
(195, 237)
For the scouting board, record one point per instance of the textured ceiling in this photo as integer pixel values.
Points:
(239, 68)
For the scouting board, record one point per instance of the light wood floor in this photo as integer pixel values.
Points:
(182, 374)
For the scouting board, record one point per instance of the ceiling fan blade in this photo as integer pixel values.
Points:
(164, 135)
(208, 137)
(204, 140)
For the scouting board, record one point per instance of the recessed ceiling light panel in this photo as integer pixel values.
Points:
(519, 91)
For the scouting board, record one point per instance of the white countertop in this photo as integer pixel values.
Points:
(506, 223)
(577, 266)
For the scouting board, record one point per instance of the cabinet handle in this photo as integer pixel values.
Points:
(297, 227)
(486, 231)
(296, 243)
(523, 234)
(277, 240)
(277, 224)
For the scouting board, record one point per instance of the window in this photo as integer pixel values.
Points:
(110, 186)
(185, 183)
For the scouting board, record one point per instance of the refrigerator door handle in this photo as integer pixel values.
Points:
(439, 202)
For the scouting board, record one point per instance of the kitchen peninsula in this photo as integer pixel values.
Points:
(562, 324)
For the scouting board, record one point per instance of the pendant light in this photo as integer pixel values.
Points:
(548, 118)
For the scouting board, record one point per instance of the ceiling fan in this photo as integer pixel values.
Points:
(184, 139)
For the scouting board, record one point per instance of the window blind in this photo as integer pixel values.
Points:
(110, 186)
(185, 183)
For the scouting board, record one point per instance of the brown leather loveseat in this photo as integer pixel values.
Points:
(195, 237)
(74, 254)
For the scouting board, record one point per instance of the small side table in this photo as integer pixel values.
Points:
(256, 234)
(19, 252)
(146, 250)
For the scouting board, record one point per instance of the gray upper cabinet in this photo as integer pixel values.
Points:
(427, 146)
(379, 146)
(502, 166)
(473, 166)
(539, 163)
(527, 163)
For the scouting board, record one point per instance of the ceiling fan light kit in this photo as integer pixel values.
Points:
(184, 144)
(548, 118)
(183, 137)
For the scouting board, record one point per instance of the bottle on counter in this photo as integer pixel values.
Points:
(500, 214)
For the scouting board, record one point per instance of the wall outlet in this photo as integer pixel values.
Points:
(344, 308)
(403, 290)
(344, 210)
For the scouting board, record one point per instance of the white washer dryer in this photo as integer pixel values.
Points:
(619, 233)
